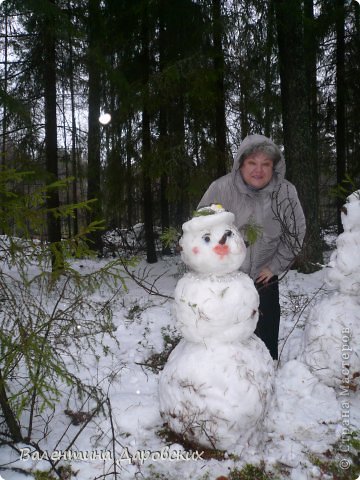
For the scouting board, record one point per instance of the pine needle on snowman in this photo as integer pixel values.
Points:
(215, 387)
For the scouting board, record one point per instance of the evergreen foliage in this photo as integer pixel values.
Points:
(50, 318)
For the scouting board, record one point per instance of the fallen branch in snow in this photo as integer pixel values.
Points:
(306, 304)
(141, 279)
(113, 438)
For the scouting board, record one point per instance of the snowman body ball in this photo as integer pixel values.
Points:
(332, 331)
(216, 384)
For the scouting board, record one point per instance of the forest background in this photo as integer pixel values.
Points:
(184, 82)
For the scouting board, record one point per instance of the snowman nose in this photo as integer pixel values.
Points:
(221, 250)
(222, 240)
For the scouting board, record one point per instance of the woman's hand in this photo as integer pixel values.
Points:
(264, 275)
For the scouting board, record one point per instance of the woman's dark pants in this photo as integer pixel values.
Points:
(269, 315)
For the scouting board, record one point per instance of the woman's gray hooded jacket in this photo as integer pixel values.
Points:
(273, 214)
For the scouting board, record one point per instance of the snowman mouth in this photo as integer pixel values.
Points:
(221, 250)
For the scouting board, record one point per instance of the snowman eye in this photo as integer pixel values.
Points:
(206, 238)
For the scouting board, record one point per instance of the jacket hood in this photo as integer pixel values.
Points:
(279, 169)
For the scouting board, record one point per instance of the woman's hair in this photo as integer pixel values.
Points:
(268, 148)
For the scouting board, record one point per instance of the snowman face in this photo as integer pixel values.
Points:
(350, 215)
(217, 249)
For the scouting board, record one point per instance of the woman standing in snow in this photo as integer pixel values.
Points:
(269, 216)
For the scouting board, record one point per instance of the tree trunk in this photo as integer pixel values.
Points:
(177, 136)
(146, 141)
(310, 65)
(163, 132)
(340, 104)
(219, 66)
(51, 153)
(94, 168)
(244, 119)
(5, 83)
(301, 160)
(268, 76)
(129, 176)
(353, 164)
(310, 44)
(9, 417)
(76, 181)
(66, 225)
(164, 203)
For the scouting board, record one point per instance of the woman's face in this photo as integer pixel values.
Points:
(257, 170)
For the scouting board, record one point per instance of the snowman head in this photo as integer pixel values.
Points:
(350, 214)
(211, 243)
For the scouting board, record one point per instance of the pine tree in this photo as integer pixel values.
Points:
(47, 34)
(340, 103)
(301, 160)
(146, 138)
(94, 99)
(219, 86)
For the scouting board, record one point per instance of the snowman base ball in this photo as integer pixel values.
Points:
(215, 394)
(331, 339)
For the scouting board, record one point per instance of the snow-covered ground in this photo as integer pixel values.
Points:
(305, 420)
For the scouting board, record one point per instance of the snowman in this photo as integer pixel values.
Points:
(216, 385)
(332, 331)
